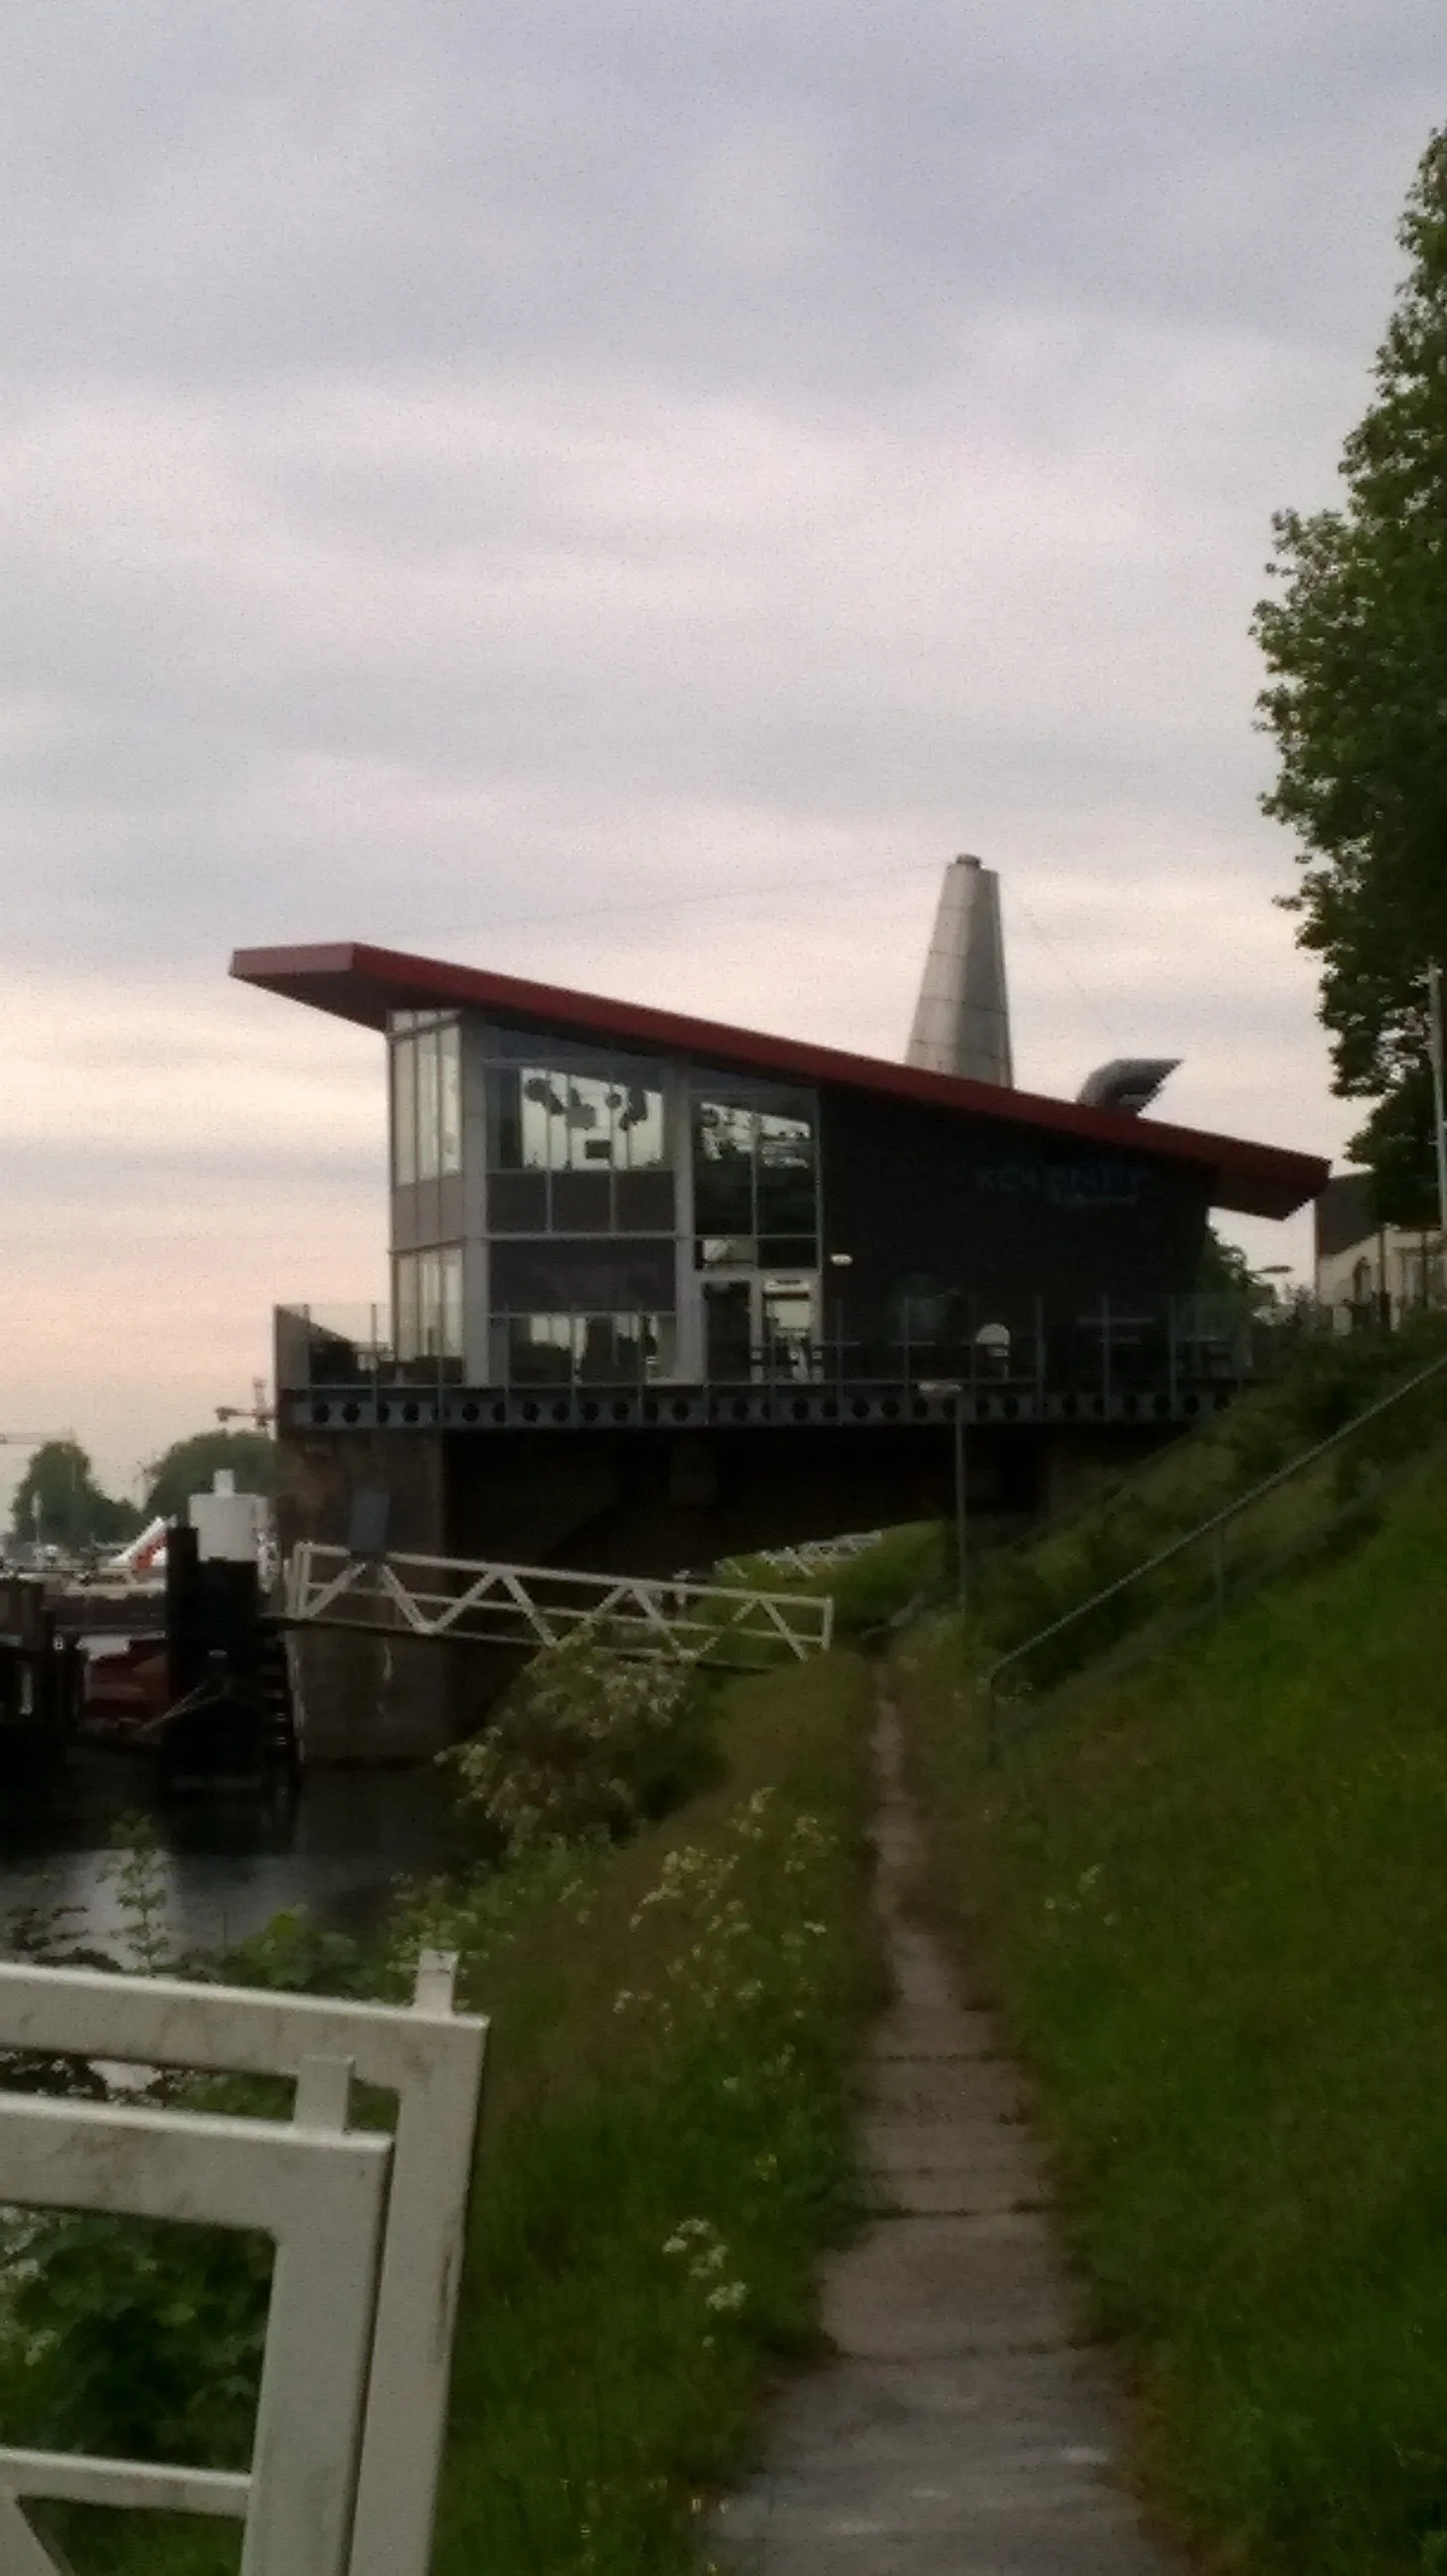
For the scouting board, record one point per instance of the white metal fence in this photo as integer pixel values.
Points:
(368, 2228)
(534, 1605)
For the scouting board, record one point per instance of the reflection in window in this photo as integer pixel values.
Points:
(600, 1138)
(404, 1112)
(587, 1350)
(406, 1299)
(727, 1252)
(789, 1316)
(449, 1098)
(429, 1108)
(542, 1119)
(755, 1183)
(429, 1304)
(784, 1176)
(426, 1099)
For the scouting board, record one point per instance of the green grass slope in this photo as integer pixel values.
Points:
(1211, 1900)
(1016, 1591)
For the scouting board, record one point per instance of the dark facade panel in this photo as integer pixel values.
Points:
(925, 1204)
(582, 1202)
(645, 1202)
(517, 1202)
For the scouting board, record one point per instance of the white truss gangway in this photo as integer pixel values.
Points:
(818, 1555)
(479, 1602)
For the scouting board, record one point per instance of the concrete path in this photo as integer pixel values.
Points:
(959, 2432)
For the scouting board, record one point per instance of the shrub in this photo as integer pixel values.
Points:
(585, 1746)
(140, 2341)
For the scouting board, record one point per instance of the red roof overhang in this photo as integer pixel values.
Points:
(363, 984)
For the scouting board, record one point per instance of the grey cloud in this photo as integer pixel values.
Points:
(788, 198)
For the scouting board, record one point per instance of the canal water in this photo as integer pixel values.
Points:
(226, 1863)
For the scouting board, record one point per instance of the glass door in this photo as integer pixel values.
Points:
(728, 1335)
(760, 1327)
(787, 1330)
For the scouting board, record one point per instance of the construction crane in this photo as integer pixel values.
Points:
(258, 1412)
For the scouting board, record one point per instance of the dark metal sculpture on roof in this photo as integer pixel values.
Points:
(1128, 1082)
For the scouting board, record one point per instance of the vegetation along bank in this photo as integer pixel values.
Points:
(667, 2147)
(1192, 1854)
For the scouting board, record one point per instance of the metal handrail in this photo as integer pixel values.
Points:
(1084, 1349)
(1158, 1637)
(1204, 1529)
(481, 1601)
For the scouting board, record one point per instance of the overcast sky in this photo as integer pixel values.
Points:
(623, 492)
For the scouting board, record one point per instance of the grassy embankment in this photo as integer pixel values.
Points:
(667, 2150)
(1208, 1894)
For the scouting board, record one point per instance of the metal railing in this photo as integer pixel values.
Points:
(480, 1602)
(1025, 1345)
(1210, 1532)
(819, 1555)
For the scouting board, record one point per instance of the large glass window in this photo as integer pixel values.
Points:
(600, 1349)
(426, 1097)
(542, 1119)
(755, 1178)
(576, 1149)
(587, 1313)
(429, 1107)
(404, 1112)
(449, 1098)
(429, 1303)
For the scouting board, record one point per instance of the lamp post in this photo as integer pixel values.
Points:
(1439, 1115)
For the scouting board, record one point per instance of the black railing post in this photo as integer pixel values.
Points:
(962, 1543)
(1172, 1380)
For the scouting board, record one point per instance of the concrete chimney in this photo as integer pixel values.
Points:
(962, 1017)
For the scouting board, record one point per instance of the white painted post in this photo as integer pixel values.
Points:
(319, 2191)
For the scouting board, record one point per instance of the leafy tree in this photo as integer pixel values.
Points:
(585, 1746)
(72, 1512)
(188, 1467)
(1226, 1272)
(1355, 641)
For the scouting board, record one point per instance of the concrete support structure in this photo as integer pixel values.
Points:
(962, 1017)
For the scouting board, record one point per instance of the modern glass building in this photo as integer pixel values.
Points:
(663, 1289)
(586, 1193)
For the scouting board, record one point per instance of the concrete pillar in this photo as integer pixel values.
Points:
(388, 1698)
